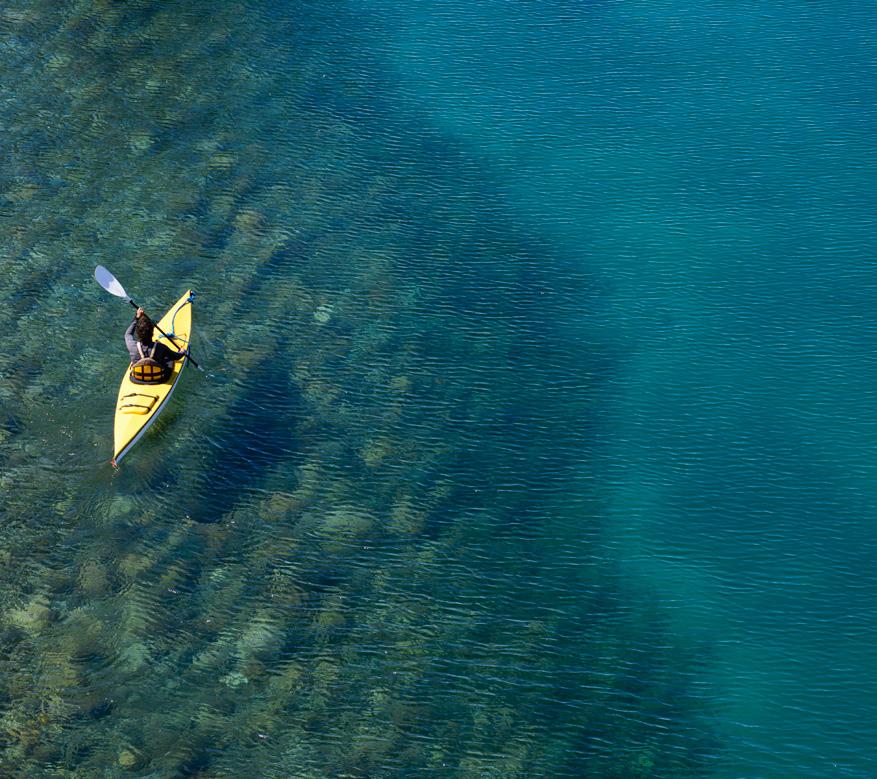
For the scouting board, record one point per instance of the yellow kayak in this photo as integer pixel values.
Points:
(138, 405)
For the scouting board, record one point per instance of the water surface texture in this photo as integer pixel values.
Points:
(536, 437)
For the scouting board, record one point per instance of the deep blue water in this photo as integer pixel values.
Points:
(536, 433)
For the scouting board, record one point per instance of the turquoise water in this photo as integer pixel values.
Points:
(535, 437)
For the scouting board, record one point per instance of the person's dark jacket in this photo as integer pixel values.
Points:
(163, 355)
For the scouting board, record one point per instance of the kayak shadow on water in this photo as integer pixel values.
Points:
(250, 435)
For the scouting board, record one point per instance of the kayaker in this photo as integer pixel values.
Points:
(145, 352)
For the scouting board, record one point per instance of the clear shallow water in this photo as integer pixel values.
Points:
(536, 434)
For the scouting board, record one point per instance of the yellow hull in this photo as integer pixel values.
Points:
(138, 405)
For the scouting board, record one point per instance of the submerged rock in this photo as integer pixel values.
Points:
(140, 141)
(400, 384)
(278, 506)
(132, 565)
(288, 680)
(346, 524)
(405, 519)
(249, 221)
(376, 451)
(93, 579)
(130, 759)
(323, 314)
(81, 635)
(261, 635)
(21, 193)
(34, 617)
(59, 673)
(222, 161)
(235, 679)
(327, 622)
(134, 656)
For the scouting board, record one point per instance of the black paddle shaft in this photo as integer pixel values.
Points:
(188, 356)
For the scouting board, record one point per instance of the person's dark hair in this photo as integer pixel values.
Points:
(143, 330)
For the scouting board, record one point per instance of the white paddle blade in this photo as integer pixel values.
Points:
(109, 282)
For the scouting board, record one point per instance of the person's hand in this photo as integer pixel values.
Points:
(140, 313)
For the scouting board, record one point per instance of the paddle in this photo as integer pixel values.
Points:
(111, 284)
